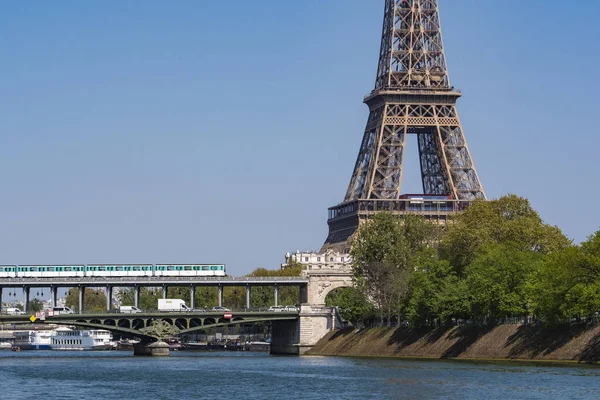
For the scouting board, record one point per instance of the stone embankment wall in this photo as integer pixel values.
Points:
(578, 343)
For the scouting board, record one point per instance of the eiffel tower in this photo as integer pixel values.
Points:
(412, 95)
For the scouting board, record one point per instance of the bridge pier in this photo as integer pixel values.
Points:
(299, 336)
(220, 296)
(26, 290)
(276, 295)
(285, 337)
(164, 290)
(152, 349)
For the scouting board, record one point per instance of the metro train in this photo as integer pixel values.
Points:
(110, 270)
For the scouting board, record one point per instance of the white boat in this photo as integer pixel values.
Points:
(32, 340)
(70, 339)
(5, 346)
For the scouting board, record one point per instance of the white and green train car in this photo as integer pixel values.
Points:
(111, 270)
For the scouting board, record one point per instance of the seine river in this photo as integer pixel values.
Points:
(242, 375)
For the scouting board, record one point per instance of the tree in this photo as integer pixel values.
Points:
(352, 305)
(383, 257)
(36, 305)
(263, 296)
(93, 300)
(427, 288)
(567, 284)
(497, 281)
(148, 297)
(509, 220)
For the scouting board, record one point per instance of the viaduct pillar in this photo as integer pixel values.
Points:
(192, 297)
(81, 298)
(109, 290)
(54, 295)
(26, 290)
(136, 296)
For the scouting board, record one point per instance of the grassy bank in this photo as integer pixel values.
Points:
(578, 343)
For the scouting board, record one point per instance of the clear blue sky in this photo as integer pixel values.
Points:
(212, 131)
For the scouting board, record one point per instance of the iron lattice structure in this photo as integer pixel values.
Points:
(412, 95)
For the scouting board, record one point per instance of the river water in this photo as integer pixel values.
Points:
(244, 375)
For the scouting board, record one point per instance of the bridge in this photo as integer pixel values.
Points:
(292, 332)
(140, 324)
(26, 284)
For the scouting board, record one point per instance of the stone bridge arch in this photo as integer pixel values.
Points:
(321, 284)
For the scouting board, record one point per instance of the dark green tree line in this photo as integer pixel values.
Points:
(496, 259)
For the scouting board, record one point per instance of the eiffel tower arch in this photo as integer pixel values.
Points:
(412, 95)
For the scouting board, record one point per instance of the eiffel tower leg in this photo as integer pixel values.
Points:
(386, 178)
(463, 176)
(357, 188)
(433, 174)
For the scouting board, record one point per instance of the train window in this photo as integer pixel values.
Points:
(204, 268)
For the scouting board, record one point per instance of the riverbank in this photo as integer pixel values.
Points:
(578, 343)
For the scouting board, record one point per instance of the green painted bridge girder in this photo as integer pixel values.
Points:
(134, 324)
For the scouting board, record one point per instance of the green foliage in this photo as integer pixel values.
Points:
(497, 280)
(496, 259)
(509, 220)
(567, 283)
(428, 288)
(148, 297)
(36, 305)
(352, 305)
(384, 253)
(264, 296)
(93, 300)
(207, 297)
